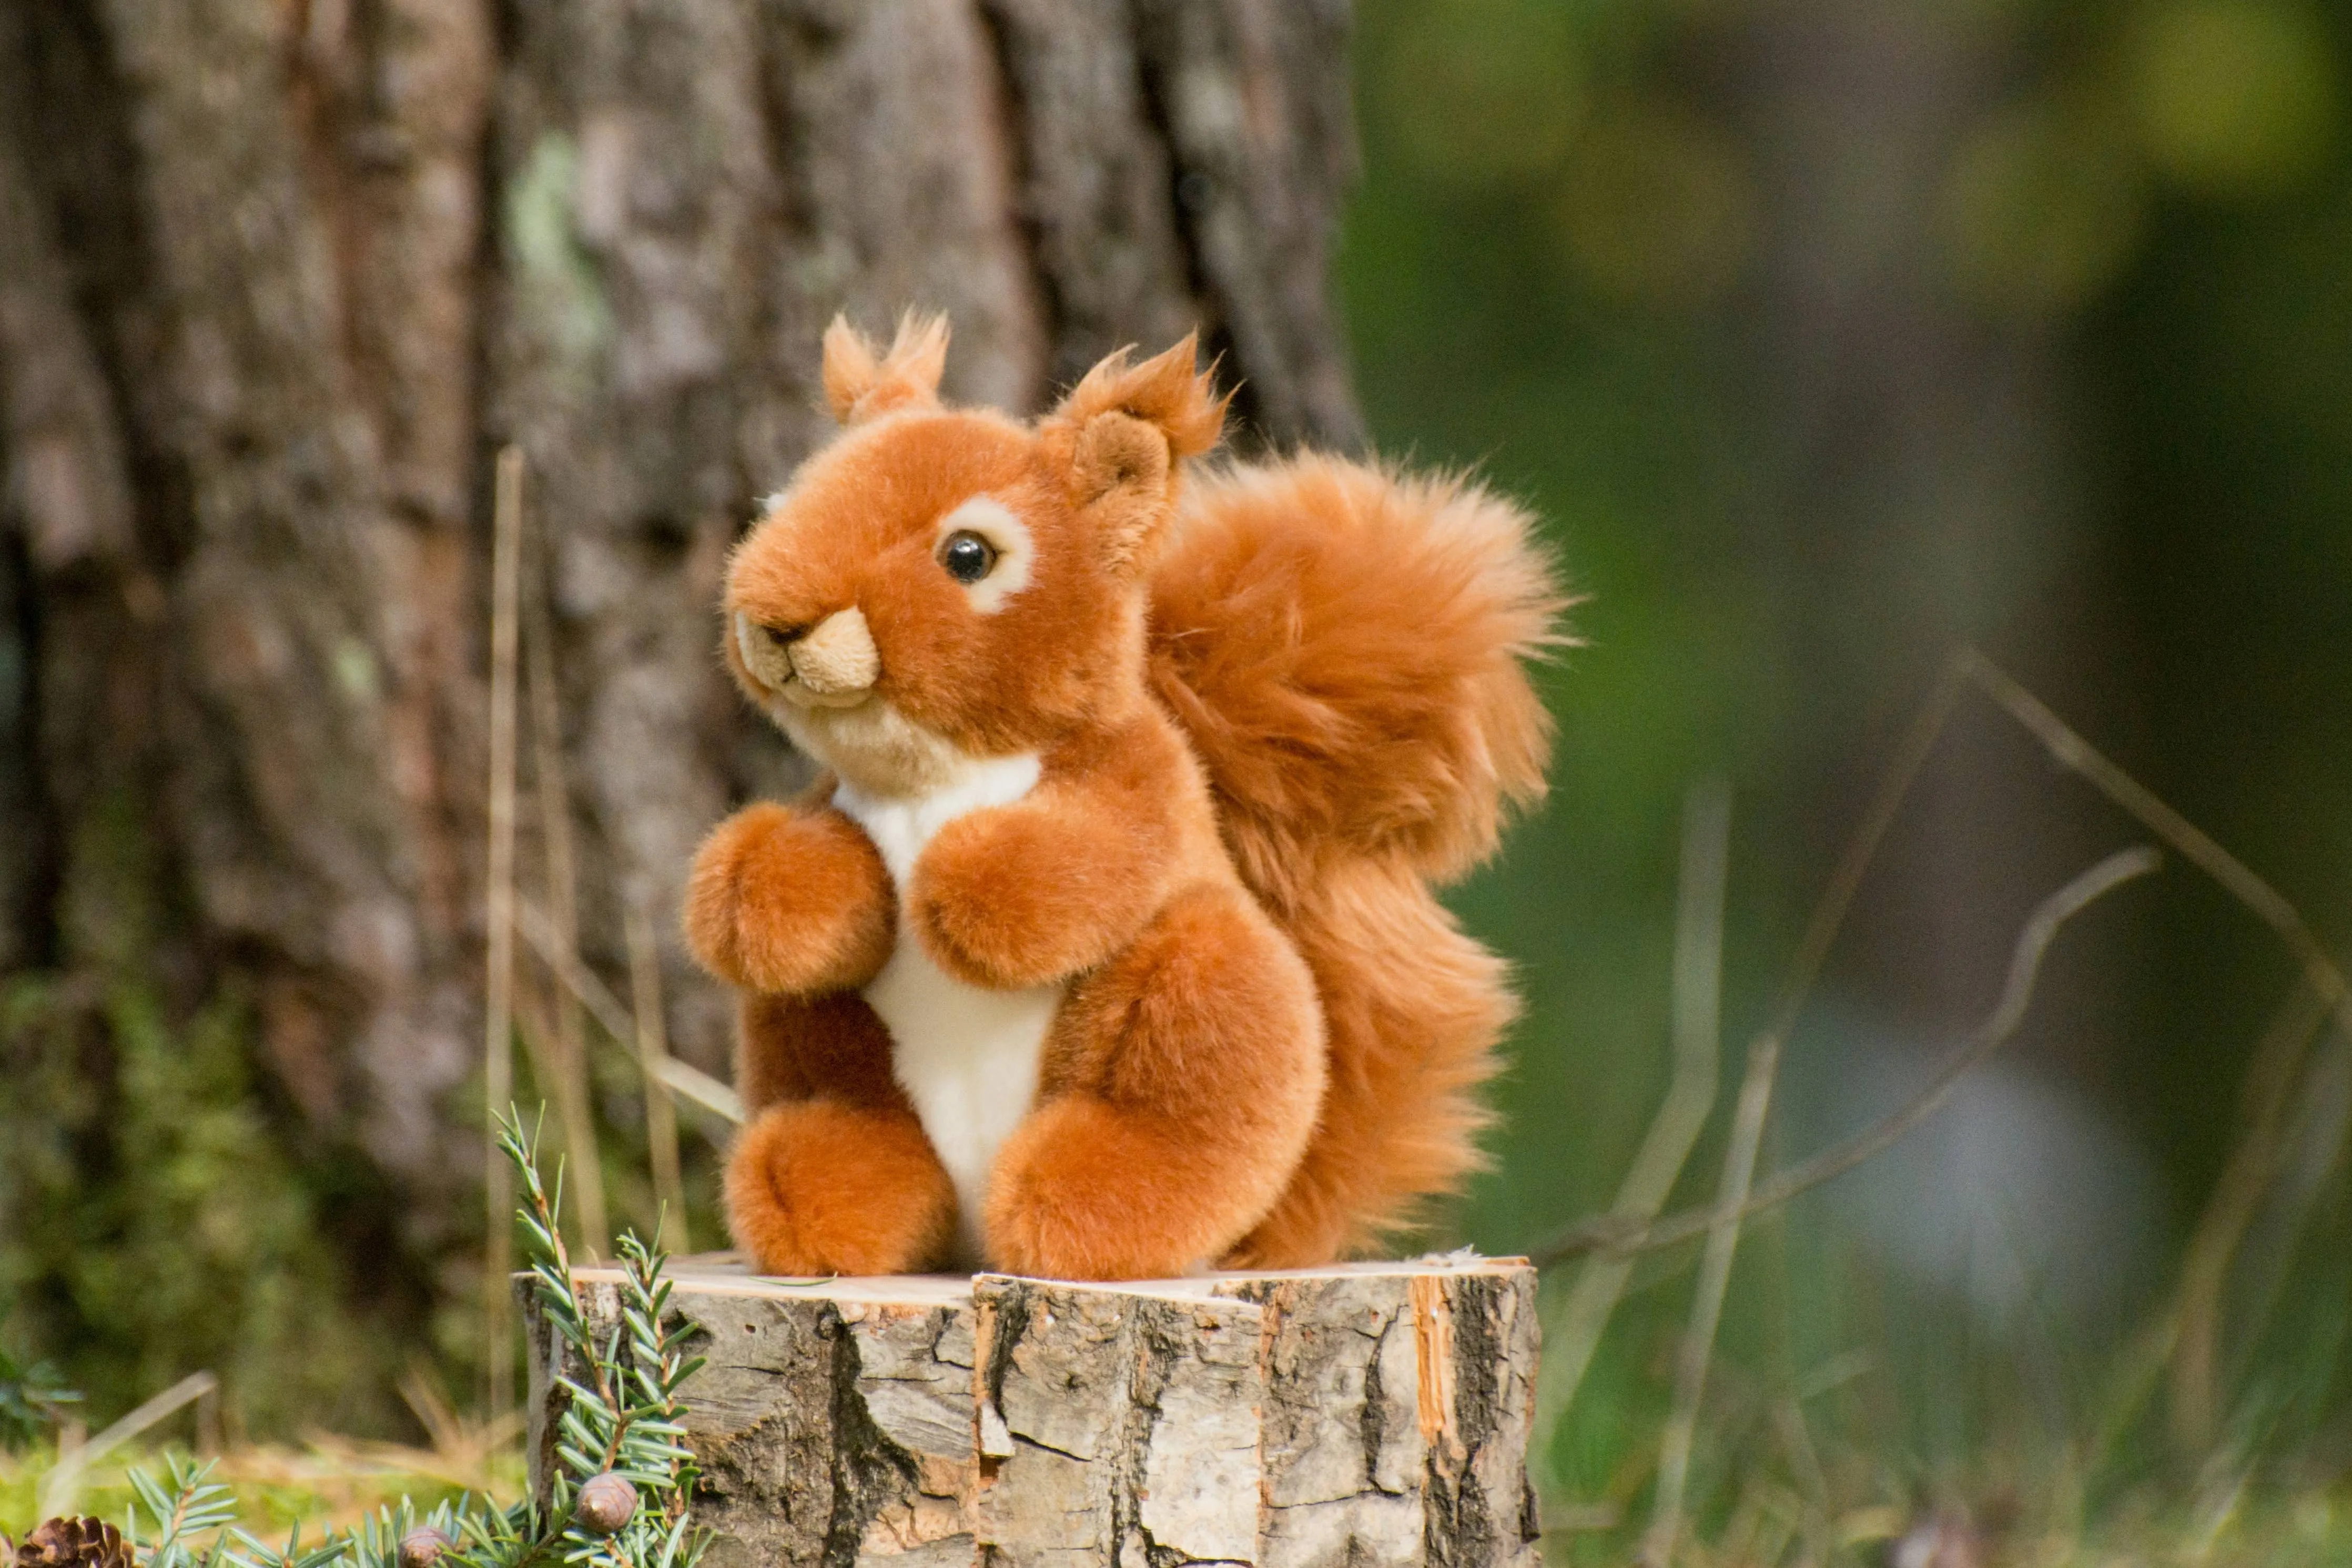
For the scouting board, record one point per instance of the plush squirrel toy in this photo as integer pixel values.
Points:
(1104, 947)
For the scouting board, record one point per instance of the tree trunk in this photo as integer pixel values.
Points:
(1928, 495)
(277, 277)
(1370, 1413)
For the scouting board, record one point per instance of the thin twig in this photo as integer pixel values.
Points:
(498, 1069)
(653, 1049)
(1689, 1101)
(2072, 752)
(573, 1101)
(687, 1082)
(2017, 995)
(1606, 1235)
(1706, 1303)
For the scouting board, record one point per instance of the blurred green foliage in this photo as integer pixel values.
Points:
(32, 1400)
(1824, 337)
(164, 1209)
(155, 1220)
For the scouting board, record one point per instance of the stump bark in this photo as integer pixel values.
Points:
(1360, 1415)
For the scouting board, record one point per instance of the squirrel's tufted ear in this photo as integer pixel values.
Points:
(1121, 433)
(859, 387)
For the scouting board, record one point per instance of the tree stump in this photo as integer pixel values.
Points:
(1364, 1414)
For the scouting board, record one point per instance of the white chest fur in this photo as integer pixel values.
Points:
(967, 1057)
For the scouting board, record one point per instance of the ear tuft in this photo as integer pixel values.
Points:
(1165, 392)
(1118, 438)
(858, 386)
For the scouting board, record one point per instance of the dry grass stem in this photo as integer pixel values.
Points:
(692, 1085)
(653, 1050)
(2306, 1167)
(63, 1484)
(498, 1059)
(574, 1102)
(1607, 1234)
(686, 1081)
(535, 1025)
(2284, 1074)
(1706, 1304)
(2195, 1408)
(1698, 1011)
(460, 1452)
(1854, 863)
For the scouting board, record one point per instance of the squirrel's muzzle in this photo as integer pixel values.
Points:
(835, 663)
(832, 665)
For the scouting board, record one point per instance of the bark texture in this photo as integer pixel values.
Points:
(1374, 1414)
(277, 277)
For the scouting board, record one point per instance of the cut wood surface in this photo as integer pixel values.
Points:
(1365, 1414)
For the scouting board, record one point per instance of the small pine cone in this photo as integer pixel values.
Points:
(421, 1547)
(73, 1543)
(607, 1502)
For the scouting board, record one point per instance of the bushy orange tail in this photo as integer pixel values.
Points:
(1347, 648)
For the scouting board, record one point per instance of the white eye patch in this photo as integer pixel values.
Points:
(1006, 533)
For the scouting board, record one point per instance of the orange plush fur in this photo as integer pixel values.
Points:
(1104, 947)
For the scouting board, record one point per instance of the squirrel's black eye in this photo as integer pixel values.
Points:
(967, 556)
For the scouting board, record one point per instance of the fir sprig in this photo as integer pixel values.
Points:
(190, 1507)
(250, 1552)
(622, 1413)
(619, 1496)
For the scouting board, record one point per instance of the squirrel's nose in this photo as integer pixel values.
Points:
(837, 661)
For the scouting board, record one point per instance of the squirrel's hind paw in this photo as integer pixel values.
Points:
(820, 1188)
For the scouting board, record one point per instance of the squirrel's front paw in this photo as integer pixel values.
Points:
(789, 902)
(816, 1186)
(1009, 900)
